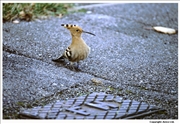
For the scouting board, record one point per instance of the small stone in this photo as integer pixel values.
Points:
(89, 12)
(9, 55)
(16, 21)
(173, 92)
(40, 55)
(54, 84)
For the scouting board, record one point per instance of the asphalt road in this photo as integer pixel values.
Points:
(126, 59)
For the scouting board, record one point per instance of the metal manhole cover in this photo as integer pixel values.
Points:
(92, 106)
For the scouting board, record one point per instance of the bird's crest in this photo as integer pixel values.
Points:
(75, 29)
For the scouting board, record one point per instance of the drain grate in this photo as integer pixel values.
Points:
(92, 106)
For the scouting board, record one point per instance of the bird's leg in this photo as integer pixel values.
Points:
(72, 66)
(68, 64)
(77, 65)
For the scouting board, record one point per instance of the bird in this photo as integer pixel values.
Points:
(78, 49)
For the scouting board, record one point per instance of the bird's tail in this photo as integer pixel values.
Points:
(59, 59)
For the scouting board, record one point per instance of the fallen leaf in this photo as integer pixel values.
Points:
(164, 30)
(96, 82)
(22, 14)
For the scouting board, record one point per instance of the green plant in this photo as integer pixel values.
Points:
(29, 11)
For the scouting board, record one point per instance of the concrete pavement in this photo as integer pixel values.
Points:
(127, 59)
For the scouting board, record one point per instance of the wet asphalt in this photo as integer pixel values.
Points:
(125, 59)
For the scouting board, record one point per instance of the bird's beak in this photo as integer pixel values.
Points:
(89, 33)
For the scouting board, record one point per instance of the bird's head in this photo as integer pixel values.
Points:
(75, 30)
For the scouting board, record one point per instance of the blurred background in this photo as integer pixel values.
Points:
(31, 11)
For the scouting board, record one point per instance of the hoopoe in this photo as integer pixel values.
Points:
(78, 49)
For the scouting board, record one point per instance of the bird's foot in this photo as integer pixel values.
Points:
(71, 66)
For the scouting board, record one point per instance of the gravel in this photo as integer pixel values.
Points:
(126, 59)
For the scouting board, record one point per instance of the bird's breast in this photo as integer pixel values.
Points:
(79, 52)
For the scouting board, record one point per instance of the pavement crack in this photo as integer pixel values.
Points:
(12, 51)
(96, 76)
(6, 49)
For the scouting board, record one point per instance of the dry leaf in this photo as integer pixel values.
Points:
(164, 30)
(96, 82)
(43, 17)
(22, 14)
(60, 15)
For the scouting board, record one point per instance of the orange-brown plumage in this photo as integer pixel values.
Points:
(78, 49)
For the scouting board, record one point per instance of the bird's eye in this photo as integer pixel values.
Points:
(77, 30)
